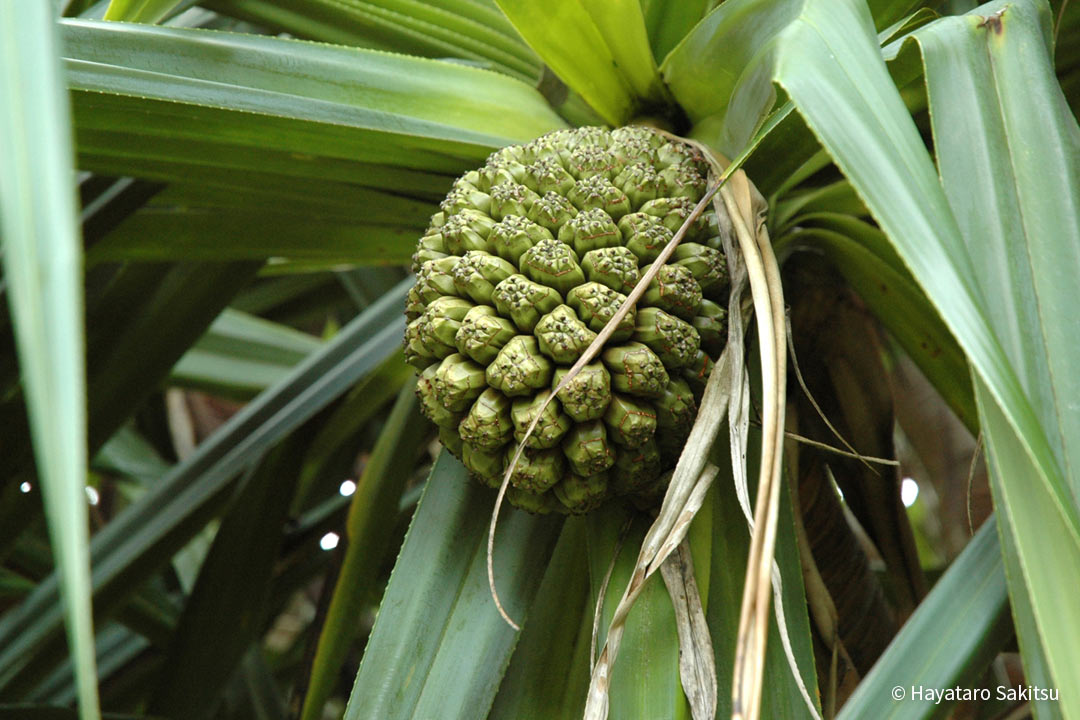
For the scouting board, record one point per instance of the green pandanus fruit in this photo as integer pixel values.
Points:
(527, 261)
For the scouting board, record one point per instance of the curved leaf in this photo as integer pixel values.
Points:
(992, 89)
(719, 57)
(829, 64)
(567, 37)
(721, 73)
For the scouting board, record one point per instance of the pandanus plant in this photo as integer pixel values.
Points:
(704, 290)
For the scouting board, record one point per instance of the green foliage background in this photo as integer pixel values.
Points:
(250, 179)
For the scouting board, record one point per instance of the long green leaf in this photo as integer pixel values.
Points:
(622, 25)
(371, 516)
(116, 647)
(172, 233)
(953, 636)
(242, 355)
(42, 258)
(645, 678)
(129, 353)
(1037, 588)
(257, 217)
(548, 675)
(255, 102)
(302, 81)
(200, 166)
(992, 172)
(721, 74)
(991, 89)
(1036, 668)
(727, 553)
(908, 201)
(245, 335)
(439, 647)
(225, 613)
(436, 28)
(334, 444)
(1019, 510)
(146, 534)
